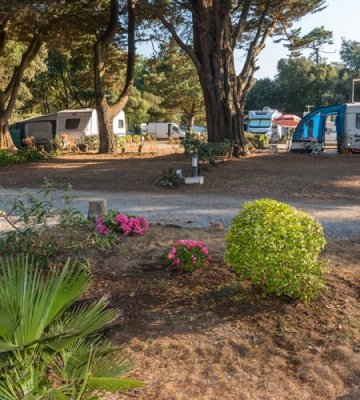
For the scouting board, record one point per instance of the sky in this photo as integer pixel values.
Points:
(341, 17)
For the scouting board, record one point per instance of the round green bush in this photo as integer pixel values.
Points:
(277, 247)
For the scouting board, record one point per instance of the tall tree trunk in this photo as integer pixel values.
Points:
(6, 141)
(106, 135)
(105, 119)
(105, 113)
(9, 94)
(213, 49)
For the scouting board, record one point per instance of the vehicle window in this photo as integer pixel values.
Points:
(357, 121)
(175, 129)
(72, 123)
(259, 123)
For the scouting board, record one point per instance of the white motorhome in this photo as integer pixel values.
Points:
(75, 123)
(165, 130)
(261, 121)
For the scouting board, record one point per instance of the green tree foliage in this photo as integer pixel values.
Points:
(13, 52)
(264, 93)
(50, 347)
(136, 109)
(314, 40)
(174, 78)
(30, 24)
(277, 248)
(301, 83)
(350, 54)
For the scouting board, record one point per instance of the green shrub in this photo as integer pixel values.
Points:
(22, 156)
(277, 247)
(129, 139)
(92, 142)
(120, 141)
(207, 152)
(5, 158)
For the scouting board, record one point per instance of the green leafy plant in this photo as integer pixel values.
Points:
(92, 142)
(22, 156)
(207, 152)
(169, 177)
(120, 141)
(188, 255)
(277, 247)
(169, 174)
(50, 347)
(31, 219)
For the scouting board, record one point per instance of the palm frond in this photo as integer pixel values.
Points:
(31, 300)
(114, 384)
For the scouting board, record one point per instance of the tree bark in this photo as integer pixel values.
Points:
(213, 49)
(9, 94)
(105, 113)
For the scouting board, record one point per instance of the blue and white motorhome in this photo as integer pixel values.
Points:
(75, 123)
(337, 125)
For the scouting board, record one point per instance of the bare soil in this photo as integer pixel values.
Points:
(206, 334)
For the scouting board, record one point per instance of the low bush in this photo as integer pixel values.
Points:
(207, 152)
(187, 255)
(22, 156)
(277, 247)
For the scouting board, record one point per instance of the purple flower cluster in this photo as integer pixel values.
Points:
(188, 255)
(122, 224)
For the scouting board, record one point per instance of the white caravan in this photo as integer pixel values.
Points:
(75, 123)
(261, 121)
(165, 130)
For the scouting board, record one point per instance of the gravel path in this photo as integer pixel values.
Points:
(339, 221)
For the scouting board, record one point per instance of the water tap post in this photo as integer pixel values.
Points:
(194, 165)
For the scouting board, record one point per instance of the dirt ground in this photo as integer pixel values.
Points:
(286, 176)
(207, 335)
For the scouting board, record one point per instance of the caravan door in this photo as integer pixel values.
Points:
(40, 130)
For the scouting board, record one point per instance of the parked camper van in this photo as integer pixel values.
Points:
(340, 121)
(75, 123)
(165, 130)
(261, 121)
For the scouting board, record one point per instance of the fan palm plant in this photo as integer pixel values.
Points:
(49, 350)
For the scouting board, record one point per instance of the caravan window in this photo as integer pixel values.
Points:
(120, 123)
(72, 123)
(259, 123)
(357, 118)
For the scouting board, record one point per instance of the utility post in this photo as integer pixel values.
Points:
(353, 89)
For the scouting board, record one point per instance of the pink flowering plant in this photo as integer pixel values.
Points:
(116, 222)
(188, 255)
